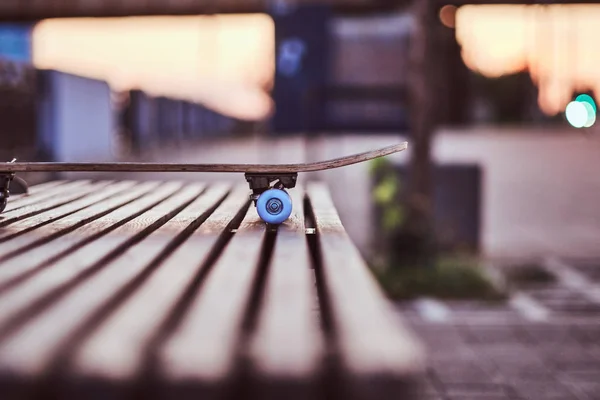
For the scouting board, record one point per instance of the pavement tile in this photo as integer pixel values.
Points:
(475, 388)
(482, 397)
(542, 390)
(463, 375)
(542, 333)
(587, 377)
(588, 334)
(476, 358)
(585, 390)
(591, 271)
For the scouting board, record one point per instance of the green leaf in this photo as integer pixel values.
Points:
(385, 192)
(392, 218)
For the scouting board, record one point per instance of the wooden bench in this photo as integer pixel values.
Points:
(125, 289)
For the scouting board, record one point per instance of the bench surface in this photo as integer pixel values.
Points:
(174, 290)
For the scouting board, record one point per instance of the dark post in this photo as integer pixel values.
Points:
(419, 234)
(302, 67)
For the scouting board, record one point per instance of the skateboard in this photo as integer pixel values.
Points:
(268, 182)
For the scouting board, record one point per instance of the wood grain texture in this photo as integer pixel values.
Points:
(119, 347)
(170, 290)
(36, 196)
(38, 293)
(40, 187)
(245, 168)
(379, 353)
(95, 224)
(55, 215)
(286, 349)
(202, 349)
(86, 303)
(58, 205)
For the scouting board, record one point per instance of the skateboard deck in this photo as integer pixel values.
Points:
(168, 167)
(268, 182)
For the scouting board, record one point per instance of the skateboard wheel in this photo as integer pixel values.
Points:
(274, 206)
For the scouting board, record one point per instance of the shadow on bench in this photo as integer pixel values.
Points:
(169, 290)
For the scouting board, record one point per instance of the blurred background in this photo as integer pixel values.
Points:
(485, 233)
(497, 102)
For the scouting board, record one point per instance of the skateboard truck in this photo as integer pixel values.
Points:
(5, 180)
(260, 183)
(273, 203)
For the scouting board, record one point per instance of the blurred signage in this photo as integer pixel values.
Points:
(302, 63)
(291, 51)
(15, 42)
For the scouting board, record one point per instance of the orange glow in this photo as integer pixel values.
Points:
(557, 44)
(224, 62)
(448, 15)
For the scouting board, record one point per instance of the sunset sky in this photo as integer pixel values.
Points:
(222, 61)
(226, 62)
(557, 44)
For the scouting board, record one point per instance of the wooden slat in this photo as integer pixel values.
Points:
(160, 290)
(55, 216)
(40, 187)
(118, 349)
(35, 294)
(46, 185)
(34, 214)
(91, 299)
(32, 192)
(287, 344)
(378, 353)
(37, 196)
(95, 225)
(17, 221)
(202, 350)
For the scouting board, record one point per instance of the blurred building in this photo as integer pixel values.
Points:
(513, 177)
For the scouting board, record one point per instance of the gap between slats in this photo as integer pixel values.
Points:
(49, 213)
(77, 216)
(374, 353)
(186, 302)
(180, 307)
(282, 344)
(162, 213)
(62, 360)
(189, 265)
(70, 192)
(110, 216)
(36, 193)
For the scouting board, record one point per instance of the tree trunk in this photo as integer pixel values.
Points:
(418, 233)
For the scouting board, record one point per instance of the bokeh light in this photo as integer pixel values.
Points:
(591, 114)
(554, 43)
(448, 15)
(586, 98)
(577, 114)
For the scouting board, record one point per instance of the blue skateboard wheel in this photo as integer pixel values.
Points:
(274, 206)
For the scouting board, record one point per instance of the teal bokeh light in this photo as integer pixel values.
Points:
(586, 98)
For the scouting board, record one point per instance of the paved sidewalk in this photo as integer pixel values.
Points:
(480, 351)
